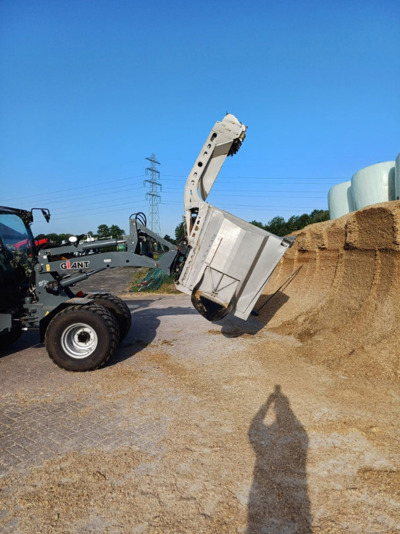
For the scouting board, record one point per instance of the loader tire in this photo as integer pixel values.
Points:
(82, 337)
(118, 308)
(9, 338)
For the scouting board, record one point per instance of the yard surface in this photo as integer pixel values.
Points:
(195, 427)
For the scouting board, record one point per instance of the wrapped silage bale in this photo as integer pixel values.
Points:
(374, 184)
(340, 200)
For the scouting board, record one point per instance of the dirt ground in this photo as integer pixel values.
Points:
(287, 423)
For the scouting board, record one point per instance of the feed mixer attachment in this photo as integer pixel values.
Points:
(228, 260)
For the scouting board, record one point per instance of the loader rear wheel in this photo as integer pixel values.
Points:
(118, 308)
(82, 337)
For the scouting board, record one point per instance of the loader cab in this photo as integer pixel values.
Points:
(17, 255)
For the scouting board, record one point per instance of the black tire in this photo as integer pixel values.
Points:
(9, 338)
(118, 308)
(82, 337)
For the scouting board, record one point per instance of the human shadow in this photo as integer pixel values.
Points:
(278, 500)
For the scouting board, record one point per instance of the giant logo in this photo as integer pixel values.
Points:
(65, 265)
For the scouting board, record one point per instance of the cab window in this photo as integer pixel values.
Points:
(16, 239)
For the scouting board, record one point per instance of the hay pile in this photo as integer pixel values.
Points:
(344, 302)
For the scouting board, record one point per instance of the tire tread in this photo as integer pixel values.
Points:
(100, 311)
(123, 317)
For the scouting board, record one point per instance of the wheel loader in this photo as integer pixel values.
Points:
(223, 263)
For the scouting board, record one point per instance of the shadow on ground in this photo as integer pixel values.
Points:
(278, 501)
(269, 304)
(145, 322)
(26, 341)
(235, 327)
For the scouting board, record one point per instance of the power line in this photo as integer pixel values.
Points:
(76, 189)
(276, 178)
(75, 192)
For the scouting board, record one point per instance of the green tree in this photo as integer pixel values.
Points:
(109, 231)
(280, 227)
(63, 238)
(103, 231)
(319, 216)
(170, 239)
(53, 237)
(277, 226)
(116, 231)
(180, 232)
(259, 224)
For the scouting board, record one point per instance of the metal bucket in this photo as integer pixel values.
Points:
(228, 264)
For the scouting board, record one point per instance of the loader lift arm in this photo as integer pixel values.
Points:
(60, 267)
(224, 140)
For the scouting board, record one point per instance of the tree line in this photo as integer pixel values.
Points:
(103, 231)
(280, 227)
(277, 225)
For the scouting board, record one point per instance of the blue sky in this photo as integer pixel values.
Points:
(90, 88)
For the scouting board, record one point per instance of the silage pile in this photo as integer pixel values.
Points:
(343, 303)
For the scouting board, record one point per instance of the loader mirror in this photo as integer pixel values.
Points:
(45, 213)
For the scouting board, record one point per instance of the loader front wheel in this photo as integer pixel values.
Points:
(82, 337)
(118, 308)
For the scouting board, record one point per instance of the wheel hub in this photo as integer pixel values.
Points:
(83, 337)
(79, 340)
